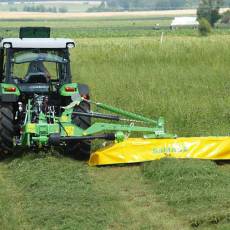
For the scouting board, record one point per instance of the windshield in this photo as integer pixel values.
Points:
(44, 63)
(31, 57)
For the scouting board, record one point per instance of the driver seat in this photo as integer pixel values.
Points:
(38, 77)
(37, 73)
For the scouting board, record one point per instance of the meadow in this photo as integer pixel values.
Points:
(186, 80)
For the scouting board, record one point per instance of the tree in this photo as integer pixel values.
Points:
(112, 3)
(62, 9)
(163, 5)
(178, 3)
(124, 4)
(209, 9)
(204, 27)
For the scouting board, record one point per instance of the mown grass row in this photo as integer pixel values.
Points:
(41, 191)
(197, 190)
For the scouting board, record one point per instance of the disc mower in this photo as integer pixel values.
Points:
(40, 106)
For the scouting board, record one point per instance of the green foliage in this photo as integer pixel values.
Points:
(206, 7)
(141, 4)
(209, 9)
(197, 190)
(42, 8)
(63, 10)
(137, 4)
(204, 27)
(39, 8)
(162, 4)
(13, 8)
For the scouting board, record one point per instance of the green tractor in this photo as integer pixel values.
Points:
(42, 107)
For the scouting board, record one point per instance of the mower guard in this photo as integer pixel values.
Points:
(136, 150)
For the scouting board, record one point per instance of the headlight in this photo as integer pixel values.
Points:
(70, 45)
(7, 45)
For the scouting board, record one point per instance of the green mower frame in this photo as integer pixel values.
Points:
(63, 129)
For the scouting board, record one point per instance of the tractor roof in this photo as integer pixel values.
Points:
(37, 43)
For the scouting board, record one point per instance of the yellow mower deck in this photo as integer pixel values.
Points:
(135, 150)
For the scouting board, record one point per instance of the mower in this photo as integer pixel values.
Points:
(40, 107)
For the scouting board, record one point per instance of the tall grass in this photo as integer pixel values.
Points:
(186, 79)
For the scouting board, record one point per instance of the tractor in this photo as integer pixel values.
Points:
(40, 106)
(37, 68)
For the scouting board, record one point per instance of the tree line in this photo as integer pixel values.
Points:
(152, 4)
(42, 8)
(141, 4)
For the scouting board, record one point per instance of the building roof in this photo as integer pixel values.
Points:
(37, 42)
(185, 21)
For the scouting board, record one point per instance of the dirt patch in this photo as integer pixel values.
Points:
(35, 15)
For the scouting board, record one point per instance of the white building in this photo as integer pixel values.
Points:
(184, 22)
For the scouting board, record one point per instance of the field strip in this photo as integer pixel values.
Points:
(10, 200)
(34, 15)
(37, 15)
(4, 15)
(136, 203)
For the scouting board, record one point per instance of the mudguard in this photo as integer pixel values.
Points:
(83, 89)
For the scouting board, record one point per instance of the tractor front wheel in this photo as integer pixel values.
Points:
(6, 130)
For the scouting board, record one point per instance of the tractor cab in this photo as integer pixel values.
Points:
(35, 86)
(40, 63)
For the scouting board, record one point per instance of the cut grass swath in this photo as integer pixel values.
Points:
(197, 190)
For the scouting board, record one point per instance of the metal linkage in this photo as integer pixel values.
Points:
(98, 115)
(123, 112)
(63, 130)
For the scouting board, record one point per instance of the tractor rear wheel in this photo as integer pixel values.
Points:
(6, 130)
(81, 149)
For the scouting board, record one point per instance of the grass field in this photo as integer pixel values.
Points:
(186, 80)
(101, 27)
